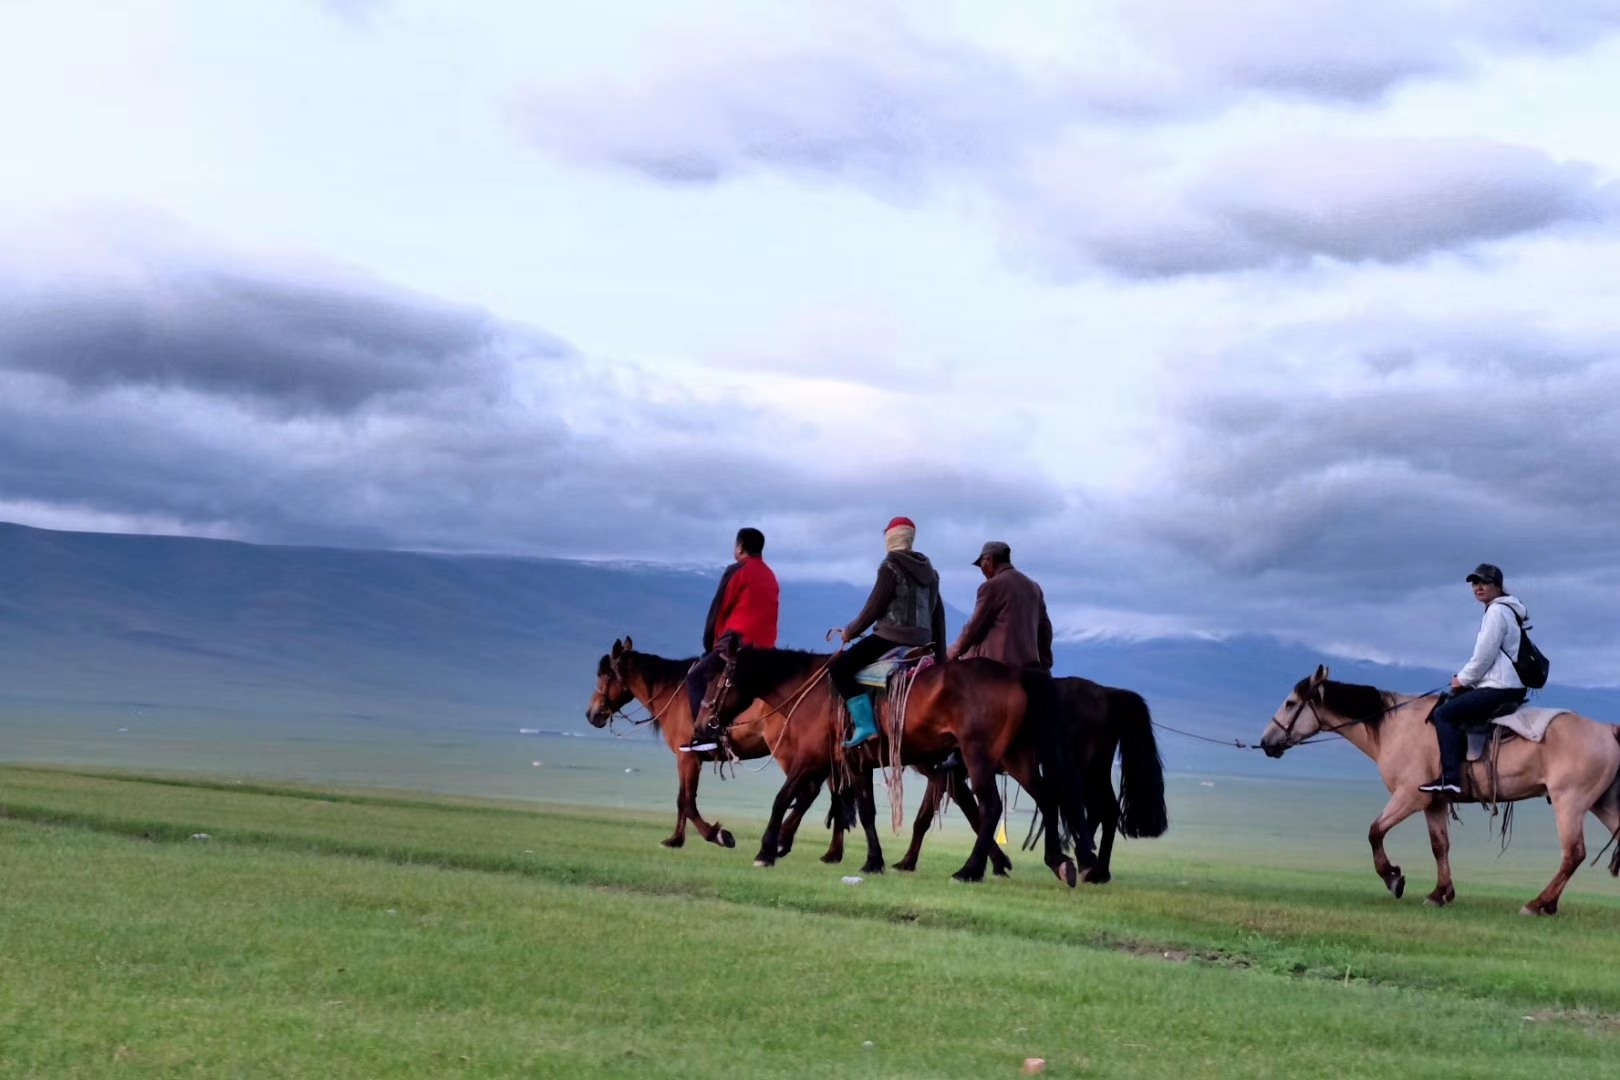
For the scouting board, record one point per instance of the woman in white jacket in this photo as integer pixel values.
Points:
(1486, 683)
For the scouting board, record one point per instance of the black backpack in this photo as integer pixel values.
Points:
(1532, 665)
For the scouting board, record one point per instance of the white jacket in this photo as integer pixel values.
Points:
(1497, 646)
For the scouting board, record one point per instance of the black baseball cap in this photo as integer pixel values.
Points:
(1486, 574)
(994, 549)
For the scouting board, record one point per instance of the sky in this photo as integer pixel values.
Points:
(1274, 316)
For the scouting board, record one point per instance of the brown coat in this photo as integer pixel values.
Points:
(1009, 623)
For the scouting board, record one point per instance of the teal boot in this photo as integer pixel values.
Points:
(864, 720)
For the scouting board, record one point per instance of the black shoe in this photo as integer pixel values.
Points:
(1441, 786)
(953, 762)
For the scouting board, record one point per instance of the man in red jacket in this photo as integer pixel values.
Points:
(743, 614)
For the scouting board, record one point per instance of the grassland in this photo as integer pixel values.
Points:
(346, 933)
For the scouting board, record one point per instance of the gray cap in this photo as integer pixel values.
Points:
(994, 549)
(1486, 574)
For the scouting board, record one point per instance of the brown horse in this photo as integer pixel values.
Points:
(658, 684)
(1576, 765)
(1098, 721)
(994, 717)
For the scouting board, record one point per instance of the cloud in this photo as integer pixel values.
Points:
(1285, 205)
(880, 109)
(1352, 52)
(156, 379)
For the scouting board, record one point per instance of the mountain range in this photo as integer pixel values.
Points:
(241, 634)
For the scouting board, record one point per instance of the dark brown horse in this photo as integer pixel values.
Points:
(996, 719)
(658, 684)
(1098, 722)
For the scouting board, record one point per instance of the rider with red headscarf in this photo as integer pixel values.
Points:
(904, 609)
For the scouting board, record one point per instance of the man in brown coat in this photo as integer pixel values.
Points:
(1009, 620)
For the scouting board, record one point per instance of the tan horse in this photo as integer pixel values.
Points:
(659, 685)
(1577, 766)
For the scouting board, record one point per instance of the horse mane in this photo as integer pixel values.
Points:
(1354, 701)
(657, 669)
(759, 671)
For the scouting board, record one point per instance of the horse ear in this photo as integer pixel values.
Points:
(1321, 674)
(627, 645)
(618, 648)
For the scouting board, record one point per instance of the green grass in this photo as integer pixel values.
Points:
(346, 933)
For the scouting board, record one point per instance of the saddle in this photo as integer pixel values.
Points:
(1480, 742)
(901, 658)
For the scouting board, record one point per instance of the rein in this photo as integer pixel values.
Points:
(654, 714)
(1288, 729)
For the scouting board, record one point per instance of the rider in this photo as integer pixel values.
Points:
(1486, 683)
(904, 609)
(743, 613)
(1009, 621)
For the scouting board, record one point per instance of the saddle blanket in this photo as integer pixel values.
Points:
(876, 675)
(1529, 721)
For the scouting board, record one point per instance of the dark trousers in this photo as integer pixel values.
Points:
(1463, 711)
(865, 651)
(703, 672)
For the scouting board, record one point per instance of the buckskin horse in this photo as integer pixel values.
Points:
(1576, 765)
(994, 717)
(658, 684)
(1098, 722)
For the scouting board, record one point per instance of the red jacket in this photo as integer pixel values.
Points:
(747, 603)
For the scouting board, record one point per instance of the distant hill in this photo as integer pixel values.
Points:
(242, 634)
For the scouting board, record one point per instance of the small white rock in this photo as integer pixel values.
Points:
(869, 1044)
(852, 881)
(200, 836)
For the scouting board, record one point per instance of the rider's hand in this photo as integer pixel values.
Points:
(1456, 683)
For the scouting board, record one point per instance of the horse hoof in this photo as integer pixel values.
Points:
(1528, 910)
(966, 878)
(1397, 886)
(1067, 873)
(872, 868)
(906, 866)
(832, 859)
(724, 838)
(1003, 871)
(764, 863)
(1091, 875)
(673, 841)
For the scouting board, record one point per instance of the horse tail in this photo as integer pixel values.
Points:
(1142, 812)
(1054, 752)
(1611, 801)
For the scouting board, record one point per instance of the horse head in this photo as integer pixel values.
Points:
(1296, 719)
(612, 688)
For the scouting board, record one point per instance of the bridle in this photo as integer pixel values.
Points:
(1309, 699)
(654, 713)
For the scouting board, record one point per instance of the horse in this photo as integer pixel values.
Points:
(1099, 721)
(994, 717)
(658, 684)
(1576, 765)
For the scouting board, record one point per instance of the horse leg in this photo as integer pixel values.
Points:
(1000, 864)
(790, 827)
(714, 833)
(1571, 815)
(687, 772)
(836, 817)
(925, 817)
(1022, 769)
(1402, 804)
(982, 773)
(866, 805)
(771, 841)
(1103, 810)
(1440, 844)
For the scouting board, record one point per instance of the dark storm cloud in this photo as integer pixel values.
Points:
(208, 390)
(283, 344)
